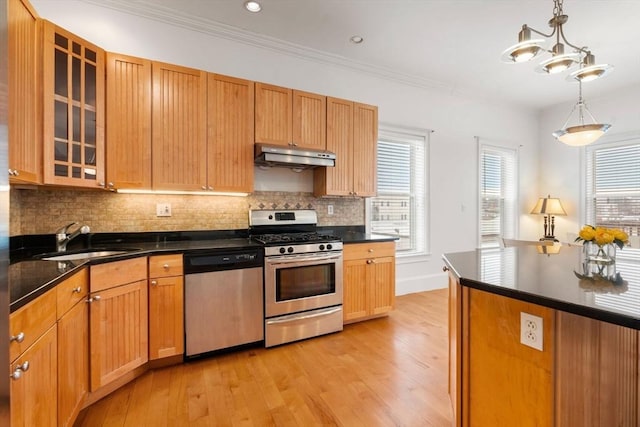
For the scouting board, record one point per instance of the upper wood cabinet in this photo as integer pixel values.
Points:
(290, 117)
(73, 96)
(128, 146)
(352, 134)
(25, 101)
(230, 124)
(179, 128)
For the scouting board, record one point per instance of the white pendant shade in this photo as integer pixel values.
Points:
(578, 136)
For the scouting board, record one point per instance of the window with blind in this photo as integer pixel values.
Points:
(498, 183)
(400, 208)
(613, 188)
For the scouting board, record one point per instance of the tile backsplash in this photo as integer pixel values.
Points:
(42, 211)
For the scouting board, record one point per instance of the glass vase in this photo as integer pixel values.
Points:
(602, 254)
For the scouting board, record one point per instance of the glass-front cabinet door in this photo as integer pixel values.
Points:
(73, 110)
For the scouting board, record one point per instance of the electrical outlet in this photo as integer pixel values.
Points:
(163, 209)
(330, 209)
(531, 330)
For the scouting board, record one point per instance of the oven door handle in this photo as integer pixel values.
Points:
(291, 317)
(292, 259)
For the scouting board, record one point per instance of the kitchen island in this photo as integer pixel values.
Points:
(584, 371)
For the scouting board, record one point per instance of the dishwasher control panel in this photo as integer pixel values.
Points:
(222, 260)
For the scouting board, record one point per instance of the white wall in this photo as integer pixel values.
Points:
(456, 119)
(560, 165)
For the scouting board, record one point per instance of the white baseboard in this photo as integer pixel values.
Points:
(421, 283)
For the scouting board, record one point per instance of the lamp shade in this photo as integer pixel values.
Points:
(548, 206)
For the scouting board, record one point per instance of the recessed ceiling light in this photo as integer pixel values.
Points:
(356, 39)
(252, 6)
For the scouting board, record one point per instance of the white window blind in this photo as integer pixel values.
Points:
(613, 188)
(399, 209)
(498, 184)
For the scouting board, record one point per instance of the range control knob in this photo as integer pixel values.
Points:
(329, 246)
(290, 249)
(321, 247)
(282, 250)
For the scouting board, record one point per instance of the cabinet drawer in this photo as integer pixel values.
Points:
(72, 290)
(369, 250)
(104, 276)
(28, 323)
(165, 265)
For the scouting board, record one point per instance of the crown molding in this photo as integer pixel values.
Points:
(149, 10)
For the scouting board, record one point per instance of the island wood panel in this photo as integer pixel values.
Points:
(596, 373)
(166, 317)
(118, 332)
(33, 395)
(32, 320)
(309, 120)
(509, 383)
(455, 353)
(230, 131)
(128, 146)
(365, 141)
(25, 102)
(179, 128)
(273, 114)
(73, 361)
(338, 180)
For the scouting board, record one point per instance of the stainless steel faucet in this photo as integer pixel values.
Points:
(63, 237)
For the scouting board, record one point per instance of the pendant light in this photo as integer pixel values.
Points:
(528, 48)
(582, 133)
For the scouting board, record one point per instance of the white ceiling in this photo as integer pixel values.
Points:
(453, 45)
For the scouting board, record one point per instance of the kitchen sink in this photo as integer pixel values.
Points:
(83, 254)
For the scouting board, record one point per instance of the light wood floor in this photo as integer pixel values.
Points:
(384, 372)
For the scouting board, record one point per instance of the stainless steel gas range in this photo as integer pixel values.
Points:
(302, 275)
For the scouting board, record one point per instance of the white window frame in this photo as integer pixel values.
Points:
(509, 205)
(587, 215)
(388, 132)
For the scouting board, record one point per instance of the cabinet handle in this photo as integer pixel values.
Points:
(10, 172)
(101, 184)
(154, 282)
(165, 266)
(204, 187)
(94, 299)
(370, 261)
(210, 188)
(76, 290)
(17, 373)
(17, 338)
(370, 250)
(445, 268)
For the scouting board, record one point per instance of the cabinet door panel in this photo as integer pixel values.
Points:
(230, 134)
(166, 317)
(337, 181)
(273, 107)
(33, 401)
(179, 128)
(73, 362)
(128, 122)
(355, 301)
(119, 333)
(25, 109)
(365, 140)
(381, 285)
(309, 120)
(73, 123)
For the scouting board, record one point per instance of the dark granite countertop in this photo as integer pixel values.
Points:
(29, 278)
(556, 280)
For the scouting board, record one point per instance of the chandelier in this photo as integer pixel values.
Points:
(528, 48)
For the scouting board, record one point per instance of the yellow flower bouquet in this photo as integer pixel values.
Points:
(603, 236)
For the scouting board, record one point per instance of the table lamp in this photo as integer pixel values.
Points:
(549, 207)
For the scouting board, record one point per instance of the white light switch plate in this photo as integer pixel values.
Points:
(163, 209)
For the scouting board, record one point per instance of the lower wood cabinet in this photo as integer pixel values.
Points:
(369, 280)
(34, 383)
(166, 311)
(117, 319)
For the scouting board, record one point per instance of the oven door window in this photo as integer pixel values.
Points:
(306, 281)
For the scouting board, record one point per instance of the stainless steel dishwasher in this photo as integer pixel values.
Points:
(223, 304)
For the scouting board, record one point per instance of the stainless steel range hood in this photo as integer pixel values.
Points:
(292, 157)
